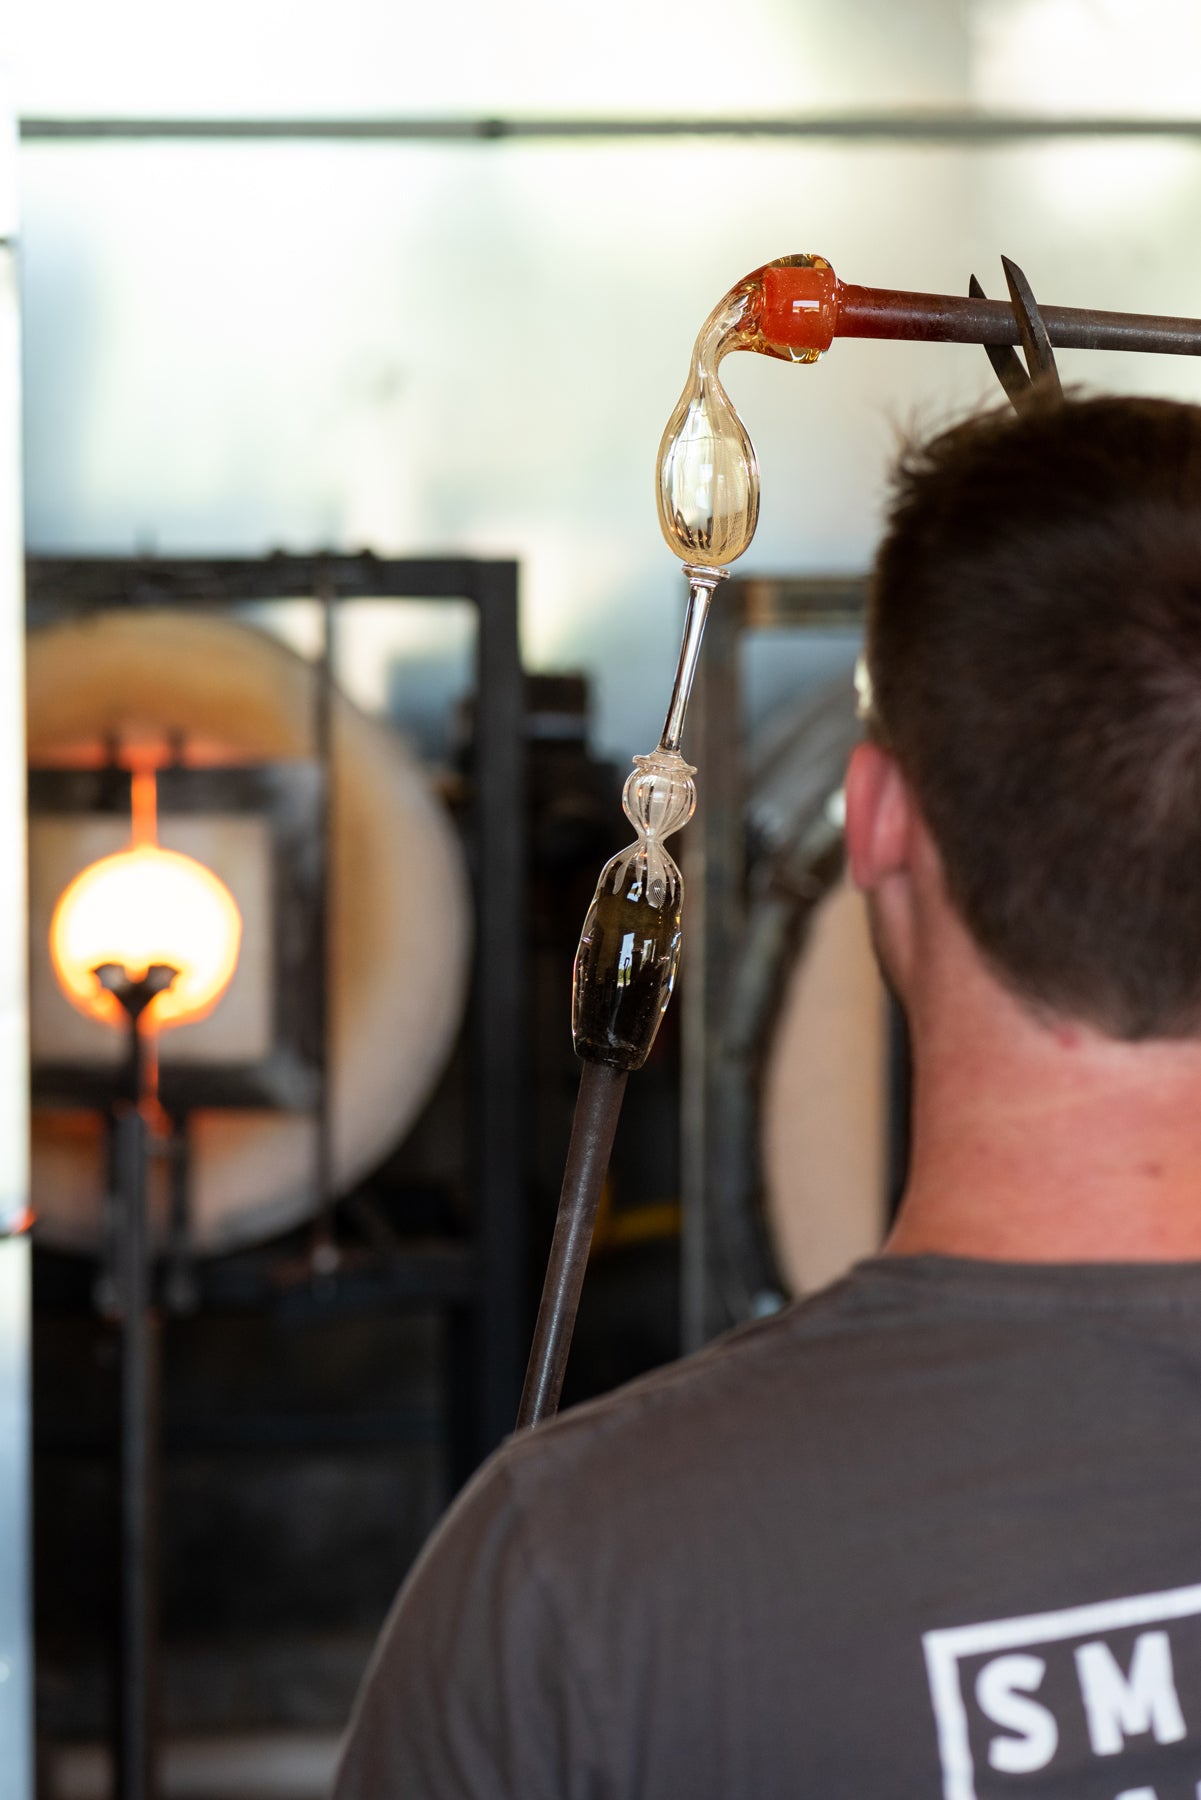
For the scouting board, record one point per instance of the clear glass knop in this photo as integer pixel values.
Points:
(625, 967)
(658, 798)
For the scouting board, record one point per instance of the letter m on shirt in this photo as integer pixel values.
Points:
(1119, 1706)
(994, 1716)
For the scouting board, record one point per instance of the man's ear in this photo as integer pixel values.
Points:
(879, 818)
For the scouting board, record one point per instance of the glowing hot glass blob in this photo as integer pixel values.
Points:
(142, 906)
(708, 476)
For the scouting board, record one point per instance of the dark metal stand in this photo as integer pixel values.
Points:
(136, 1774)
(477, 1279)
(598, 1107)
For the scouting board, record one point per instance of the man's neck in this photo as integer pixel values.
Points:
(1044, 1143)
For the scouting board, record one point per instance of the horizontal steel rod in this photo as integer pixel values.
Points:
(951, 319)
(950, 126)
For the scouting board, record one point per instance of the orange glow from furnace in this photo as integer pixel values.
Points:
(143, 806)
(142, 906)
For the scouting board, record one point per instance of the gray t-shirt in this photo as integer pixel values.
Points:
(934, 1532)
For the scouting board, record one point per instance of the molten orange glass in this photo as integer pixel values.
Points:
(796, 309)
(142, 906)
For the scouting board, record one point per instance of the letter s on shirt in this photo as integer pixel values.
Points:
(1002, 1687)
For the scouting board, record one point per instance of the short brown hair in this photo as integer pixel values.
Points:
(1034, 644)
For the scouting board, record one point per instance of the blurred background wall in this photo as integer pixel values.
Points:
(472, 342)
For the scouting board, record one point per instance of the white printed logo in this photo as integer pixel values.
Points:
(1013, 1697)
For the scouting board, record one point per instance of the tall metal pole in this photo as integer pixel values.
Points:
(136, 1768)
(324, 1249)
(139, 1415)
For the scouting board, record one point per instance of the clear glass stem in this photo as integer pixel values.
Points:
(701, 583)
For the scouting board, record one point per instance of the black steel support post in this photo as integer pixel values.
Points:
(139, 1421)
(597, 1110)
(499, 1076)
(713, 881)
(136, 1772)
(324, 1247)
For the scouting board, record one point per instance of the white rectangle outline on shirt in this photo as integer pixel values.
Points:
(945, 1647)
